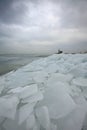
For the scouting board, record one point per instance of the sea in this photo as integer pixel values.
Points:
(9, 62)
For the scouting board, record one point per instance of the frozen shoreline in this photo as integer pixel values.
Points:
(50, 93)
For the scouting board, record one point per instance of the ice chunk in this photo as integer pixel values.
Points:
(80, 100)
(58, 101)
(30, 122)
(25, 111)
(13, 124)
(34, 98)
(18, 78)
(85, 123)
(33, 67)
(79, 71)
(42, 115)
(80, 82)
(53, 126)
(52, 68)
(8, 107)
(65, 85)
(2, 83)
(59, 77)
(24, 92)
(36, 127)
(15, 90)
(40, 76)
(84, 93)
(74, 121)
(1, 120)
(28, 91)
(72, 90)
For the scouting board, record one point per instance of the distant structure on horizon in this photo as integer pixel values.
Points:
(59, 51)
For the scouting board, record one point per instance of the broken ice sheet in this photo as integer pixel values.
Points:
(15, 90)
(24, 92)
(60, 77)
(52, 68)
(8, 106)
(74, 120)
(13, 124)
(40, 76)
(80, 82)
(30, 122)
(2, 84)
(42, 115)
(28, 91)
(34, 98)
(58, 101)
(25, 111)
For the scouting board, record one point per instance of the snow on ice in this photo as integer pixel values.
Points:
(49, 94)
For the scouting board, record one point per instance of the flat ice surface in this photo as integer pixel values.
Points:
(47, 94)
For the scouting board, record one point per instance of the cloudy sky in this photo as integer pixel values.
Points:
(43, 26)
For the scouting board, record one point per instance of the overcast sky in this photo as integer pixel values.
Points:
(43, 26)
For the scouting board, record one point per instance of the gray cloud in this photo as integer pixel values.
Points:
(11, 11)
(43, 26)
(73, 12)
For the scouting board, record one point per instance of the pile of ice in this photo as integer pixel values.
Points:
(48, 94)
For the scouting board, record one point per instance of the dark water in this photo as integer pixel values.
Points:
(9, 62)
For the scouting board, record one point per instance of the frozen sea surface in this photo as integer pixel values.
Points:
(9, 62)
(47, 94)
